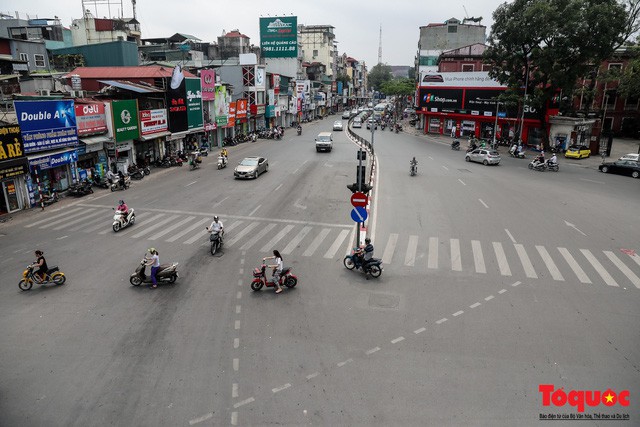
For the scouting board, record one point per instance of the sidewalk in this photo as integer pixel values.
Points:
(619, 147)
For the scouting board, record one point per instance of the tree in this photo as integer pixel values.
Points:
(398, 87)
(412, 73)
(555, 42)
(344, 78)
(378, 75)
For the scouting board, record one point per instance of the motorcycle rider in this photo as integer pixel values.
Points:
(111, 177)
(364, 253)
(414, 163)
(216, 227)
(553, 160)
(277, 269)
(42, 265)
(154, 262)
(121, 178)
(299, 130)
(122, 207)
(540, 159)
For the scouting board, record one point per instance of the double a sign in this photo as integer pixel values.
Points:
(55, 160)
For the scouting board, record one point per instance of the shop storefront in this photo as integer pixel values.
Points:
(55, 170)
(91, 153)
(124, 126)
(154, 128)
(13, 168)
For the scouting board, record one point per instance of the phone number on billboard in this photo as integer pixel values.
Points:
(278, 48)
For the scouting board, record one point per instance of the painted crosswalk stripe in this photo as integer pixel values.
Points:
(502, 259)
(317, 242)
(551, 266)
(85, 225)
(577, 270)
(412, 247)
(242, 233)
(137, 225)
(625, 270)
(91, 227)
(296, 240)
(336, 244)
(387, 255)
(155, 226)
(599, 268)
(42, 221)
(91, 216)
(636, 258)
(272, 243)
(203, 222)
(66, 218)
(255, 239)
(478, 258)
(456, 261)
(169, 229)
(526, 262)
(432, 261)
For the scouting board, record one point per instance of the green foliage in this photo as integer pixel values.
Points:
(344, 78)
(411, 73)
(378, 75)
(401, 87)
(629, 86)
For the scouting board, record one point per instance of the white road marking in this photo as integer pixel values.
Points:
(371, 351)
(590, 180)
(242, 233)
(510, 236)
(551, 265)
(315, 374)
(154, 226)
(239, 295)
(100, 221)
(219, 202)
(431, 157)
(257, 237)
(625, 270)
(526, 262)
(502, 259)
(502, 291)
(187, 230)
(278, 187)
(444, 319)
(65, 214)
(516, 284)
(432, 261)
(272, 243)
(483, 203)
(240, 280)
(475, 305)
(191, 183)
(236, 342)
(374, 217)
(341, 364)
(201, 419)
(419, 331)
(636, 258)
(489, 298)
(137, 226)
(478, 258)
(458, 313)
(66, 218)
(244, 402)
(456, 261)
(237, 325)
(296, 240)
(238, 309)
(171, 228)
(63, 237)
(279, 389)
(599, 268)
(316, 242)
(578, 271)
(387, 255)
(336, 244)
(397, 340)
(462, 182)
(234, 418)
(234, 390)
(412, 247)
(254, 211)
(298, 205)
(445, 168)
(295, 171)
(236, 364)
(84, 218)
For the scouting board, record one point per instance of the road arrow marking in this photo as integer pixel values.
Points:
(574, 227)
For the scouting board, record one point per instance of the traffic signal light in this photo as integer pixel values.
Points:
(361, 172)
(365, 188)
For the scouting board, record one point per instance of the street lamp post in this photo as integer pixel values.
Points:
(495, 125)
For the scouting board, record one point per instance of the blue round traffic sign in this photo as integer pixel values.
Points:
(359, 214)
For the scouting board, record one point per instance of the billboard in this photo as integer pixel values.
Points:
(458, 79)
(46, 124)
(241, 109)
(221, 106)
(153, 121)
(194, 103)
(177, 102)
(437, 100)
(125, 119)
(279, 37)
(12, 159)
(232, 114)
(90, 118)
(208, 82)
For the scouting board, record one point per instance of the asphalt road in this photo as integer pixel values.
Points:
(486, 293)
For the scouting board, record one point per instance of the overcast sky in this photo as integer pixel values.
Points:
(357, 23)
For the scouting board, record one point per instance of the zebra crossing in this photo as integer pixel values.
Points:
(431, 253)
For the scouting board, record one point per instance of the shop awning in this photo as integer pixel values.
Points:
(94, 143)
(178, 135)
(42, 154)
(50, 159)
(153, 136)
(133, 87)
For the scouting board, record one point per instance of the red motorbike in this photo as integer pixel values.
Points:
(260, 278)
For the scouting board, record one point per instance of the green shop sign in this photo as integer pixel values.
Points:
(125, 119)
(279, 37)
(194, 103)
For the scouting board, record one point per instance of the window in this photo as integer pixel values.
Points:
(615, 66)
(428, 60)
(631, 103)
(467, 67)
(315, 52)
(452, 29)
(486, 67)
(39, 60)
(24, 57)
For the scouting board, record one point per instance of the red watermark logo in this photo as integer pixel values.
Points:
(580, 398)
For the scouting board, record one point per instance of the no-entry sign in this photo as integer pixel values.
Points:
(359, 199)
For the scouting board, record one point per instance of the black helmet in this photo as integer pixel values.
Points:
(367, 240)
(121, 202)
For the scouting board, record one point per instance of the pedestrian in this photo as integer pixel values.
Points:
(277, 269)
(154, 262)
(453, 131)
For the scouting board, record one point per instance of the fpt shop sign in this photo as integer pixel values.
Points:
(56, 160)
(125, 119)
(46, 124)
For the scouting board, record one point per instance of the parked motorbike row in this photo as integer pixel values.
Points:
(541, 166)
(138, 173)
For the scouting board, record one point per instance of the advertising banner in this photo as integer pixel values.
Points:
(221, 106)
(208, 82)
(275, 83)
(458, 79)
(12, 159)
(46, 124)
(241, 109)
(194, 103)
(177, 102)
(125, 119)
(54, 160)
(279, 37)
(153, 121)
(437, 100)
(231, 118)
(91, 118)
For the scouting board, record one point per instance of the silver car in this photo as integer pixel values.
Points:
(484, 156)
(251, 167)
(337, 125)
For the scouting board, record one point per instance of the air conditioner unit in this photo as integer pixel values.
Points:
(44, 92)
(80, 94)
(72, 93)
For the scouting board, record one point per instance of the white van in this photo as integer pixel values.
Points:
(357, 122)
(324, 142)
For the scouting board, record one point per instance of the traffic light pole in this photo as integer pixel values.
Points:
(359, 182)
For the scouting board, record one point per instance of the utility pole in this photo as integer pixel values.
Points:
(380, 46)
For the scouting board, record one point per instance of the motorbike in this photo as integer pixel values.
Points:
(29, 277)
(166, 273)
(222, 162)
(398, 127)
(117, 184)
(260, 278)
(299, 131)
(538, 165)
(99, 182)
(455, 145)
(193, 164)
(373, 267)
(514, 152)
(81, 189)
(555, 167)
(175, 161)
(414, 169)
(120, 221)
(50, 198)
(216, 242)
(135, 173)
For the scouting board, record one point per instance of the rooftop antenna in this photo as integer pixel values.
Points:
(380, 47)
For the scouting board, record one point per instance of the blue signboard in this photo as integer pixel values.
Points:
(339, 88)
(359, 214)
(48, 162)
(46, 124)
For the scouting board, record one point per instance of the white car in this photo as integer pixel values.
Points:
(409, 110)
(346, 114)
(337, 125)
(631, 156)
